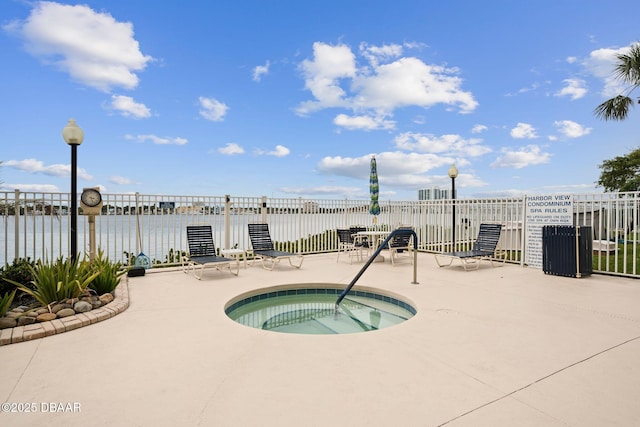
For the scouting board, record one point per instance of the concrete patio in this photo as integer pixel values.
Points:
(504, 346)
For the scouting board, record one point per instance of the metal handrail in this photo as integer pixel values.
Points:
(396, 232)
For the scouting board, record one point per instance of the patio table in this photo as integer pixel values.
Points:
(374, 238)
(236, 254)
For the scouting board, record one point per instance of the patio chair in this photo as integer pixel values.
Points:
(400, 243)
(202, 252)
(360, 241)
(484, 248)
(347, 245)
(263, 247)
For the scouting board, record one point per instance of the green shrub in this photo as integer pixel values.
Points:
(19, 271)
(109, 274)
(174, 256)
(59, 280)
(5, 302)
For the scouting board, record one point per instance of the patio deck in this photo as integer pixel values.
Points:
(498, 346)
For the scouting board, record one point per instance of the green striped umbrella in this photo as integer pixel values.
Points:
(374, 190)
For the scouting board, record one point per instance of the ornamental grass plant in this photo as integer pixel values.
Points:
(62, 279)
(109, 274)
(5, 302)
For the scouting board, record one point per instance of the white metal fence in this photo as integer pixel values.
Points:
(36, 225)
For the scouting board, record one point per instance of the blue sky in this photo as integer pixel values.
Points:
(292, 98)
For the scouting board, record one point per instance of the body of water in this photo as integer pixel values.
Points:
(47, 236)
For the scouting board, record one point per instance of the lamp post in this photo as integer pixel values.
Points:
(453, 174)
(73, 136)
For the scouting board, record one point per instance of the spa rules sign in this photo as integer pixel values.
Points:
(554, 209)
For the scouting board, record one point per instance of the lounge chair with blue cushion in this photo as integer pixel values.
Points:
(264, 249)
(202, 252)
(484, 248)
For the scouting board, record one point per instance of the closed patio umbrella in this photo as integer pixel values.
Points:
(374, 190)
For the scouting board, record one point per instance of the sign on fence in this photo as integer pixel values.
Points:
(556, 209)
(167, 205)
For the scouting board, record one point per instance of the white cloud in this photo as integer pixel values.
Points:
(411, 82)
(335, 81)
(533, 87)
(157, 139)
(92, 47)
(479, 129)
(420, 120)
(129, 108)
(120, 180)
(396, 169)
(280, 151)
(36, 166)
(37, 188)
(260, 70)
(449, 144)
(601, 64)
(574, 89)
(326, 190)
(571, 129)
(522, 157)
(323, 74)
(363, 122)
(230, 149)
(377, 54)
(523, 130)
(389, 164)
(212, 109)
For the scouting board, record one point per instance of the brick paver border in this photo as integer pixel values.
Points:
(57, 326)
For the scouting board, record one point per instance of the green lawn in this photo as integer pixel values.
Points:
(619, 262)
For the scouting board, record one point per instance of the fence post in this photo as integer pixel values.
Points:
(263, 209)
(227, 221)
(16, 223)
(523, 237)
(138, 238)
(346, 215)
(299, 230)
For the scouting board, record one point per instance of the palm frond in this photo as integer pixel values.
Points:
(628, 66)
(616, 108)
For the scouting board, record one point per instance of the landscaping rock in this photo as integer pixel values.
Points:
(45, 317)
(26, 320)
(6, 322)
(106, 298)
(65, 312)
(24, 315)
(82, 307)
(56, 308)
